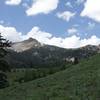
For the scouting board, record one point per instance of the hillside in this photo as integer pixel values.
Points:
(79, 82)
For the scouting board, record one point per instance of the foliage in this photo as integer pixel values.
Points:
(3, 64)
(3, 80)
(30, 74)
(78, 82)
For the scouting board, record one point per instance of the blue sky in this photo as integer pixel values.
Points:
(55, 22)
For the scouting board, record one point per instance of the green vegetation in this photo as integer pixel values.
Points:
(22, 75)
(4, 66)
(77, 82)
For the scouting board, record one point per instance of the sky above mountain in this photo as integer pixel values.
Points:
(64, 23)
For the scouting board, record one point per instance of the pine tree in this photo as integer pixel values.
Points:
(4, 67)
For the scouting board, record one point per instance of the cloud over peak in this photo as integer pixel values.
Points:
(72, 41)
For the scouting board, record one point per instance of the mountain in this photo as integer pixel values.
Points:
(78, 82)
(33, 43)
(31, 53)
(92, 48)
(25, 45)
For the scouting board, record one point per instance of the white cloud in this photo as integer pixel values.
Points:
(44, 37)
(69, 4)
(94, 40)
(72, 31)
(76, 42)
(13, 2)
(92, 10)
(36, 33)
(67, 42)
(66, 15)
(42, 6)
(10, 33)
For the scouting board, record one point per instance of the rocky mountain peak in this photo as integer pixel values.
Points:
(30, 40)
(25, 45)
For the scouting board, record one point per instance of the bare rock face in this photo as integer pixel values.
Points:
(25, 45)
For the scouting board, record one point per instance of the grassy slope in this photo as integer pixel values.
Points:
(80, 82)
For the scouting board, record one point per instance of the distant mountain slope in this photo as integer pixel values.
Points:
(79, 82)
(31, 53)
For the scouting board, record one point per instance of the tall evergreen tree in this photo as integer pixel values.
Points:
(4, 67)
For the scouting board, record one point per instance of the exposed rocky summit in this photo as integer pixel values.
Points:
(25, 45)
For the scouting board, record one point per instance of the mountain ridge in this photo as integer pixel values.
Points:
(33, 43)
(31, 53)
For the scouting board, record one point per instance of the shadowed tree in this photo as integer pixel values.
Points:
(76, 61)
(4, 66)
